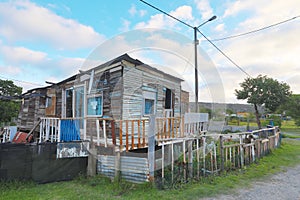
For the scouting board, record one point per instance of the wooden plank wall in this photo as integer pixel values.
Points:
(31, 110)
(134, 80)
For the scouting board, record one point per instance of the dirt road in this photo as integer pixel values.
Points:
(282, 186)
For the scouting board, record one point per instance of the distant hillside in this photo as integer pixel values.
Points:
(234, 107)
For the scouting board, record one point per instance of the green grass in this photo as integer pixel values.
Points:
(103, 188)
(290, 130)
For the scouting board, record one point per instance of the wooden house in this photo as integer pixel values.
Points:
(121, 89)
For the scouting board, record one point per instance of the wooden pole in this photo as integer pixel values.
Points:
(132, 134)
(204, 154)
(121, 135)
(113, 133)
(104, 133)
(144, 133)
(162, 160)
(241, 151)
(117, 163)
(190, 158)
(127, 142)
(151, 147)
(139, 133)
(98, 131)
(222, 153)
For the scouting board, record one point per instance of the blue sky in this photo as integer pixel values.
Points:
(51, 40)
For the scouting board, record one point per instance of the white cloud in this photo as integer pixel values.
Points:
(156, 21)
(233, 8)
(183, 13)
(220, 27)
(125, 25)
(272, 52)
(26, 21)
(10, 70)
(31, 66)
(21, 55)
(162, 21)
(142, 13)
(205, 9)
(132, 11)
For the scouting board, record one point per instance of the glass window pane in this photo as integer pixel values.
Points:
(149, 106)
(94, 106)
(69, 103)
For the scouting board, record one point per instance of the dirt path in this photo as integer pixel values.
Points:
(282, 186)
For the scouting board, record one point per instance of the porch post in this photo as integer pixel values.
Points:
(151, 147)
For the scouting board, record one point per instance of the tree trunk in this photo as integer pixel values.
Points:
(257, 116)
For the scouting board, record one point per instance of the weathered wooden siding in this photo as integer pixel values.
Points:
(109, 83)
(32, 108)
(184, 102)
(133, 93)
(137, 80)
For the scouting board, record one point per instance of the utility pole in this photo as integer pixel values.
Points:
(196, 42)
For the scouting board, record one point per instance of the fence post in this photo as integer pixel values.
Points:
(241, 151)
(151, 147)
(98, 131)
(204, 154)
(190, 158)
(117, 163)
(222, 153)
(104, 133)
(113, 133)
(92, 160)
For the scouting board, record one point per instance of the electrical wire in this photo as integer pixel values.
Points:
(254, 31)
(240, 68)
(167, 14)
(36, 84)
(234, 63)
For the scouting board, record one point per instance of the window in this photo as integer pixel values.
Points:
(48, 102)
(69, 102)
(94, 106)
(168, 99)
(149, 106)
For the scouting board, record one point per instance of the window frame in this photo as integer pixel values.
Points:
(87, 105)
(149, 95)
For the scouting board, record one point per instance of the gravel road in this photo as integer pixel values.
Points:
(282, 186)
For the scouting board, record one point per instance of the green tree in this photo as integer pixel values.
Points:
(292, 108)
(263, 91)
(206, 110)
(9, 108)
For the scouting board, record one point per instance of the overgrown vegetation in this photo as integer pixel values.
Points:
(100, 187)
(9, 108)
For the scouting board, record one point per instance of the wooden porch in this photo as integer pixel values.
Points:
(128, 134)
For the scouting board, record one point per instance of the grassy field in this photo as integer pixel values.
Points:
(103, 188)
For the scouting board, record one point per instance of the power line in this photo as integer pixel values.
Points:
(240, 68)
(196, 28)
(36, 84)
(256, 30)
(167, 14)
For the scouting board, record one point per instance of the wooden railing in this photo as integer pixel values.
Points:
(132, 133)
(171, 127)
(5, 135)
(129, 134)
(49, 130)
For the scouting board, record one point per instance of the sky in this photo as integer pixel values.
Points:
(52, 40)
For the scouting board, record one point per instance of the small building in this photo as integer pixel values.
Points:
(121, 89)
